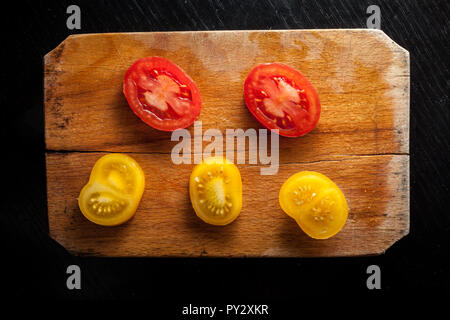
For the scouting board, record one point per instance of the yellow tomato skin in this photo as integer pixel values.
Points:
(215, 189)
(114, 190)
(315, 202)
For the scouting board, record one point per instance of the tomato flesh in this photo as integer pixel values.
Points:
(114, 190)
(282, 99)
(315, 202)
(161, 94)
(215, 189)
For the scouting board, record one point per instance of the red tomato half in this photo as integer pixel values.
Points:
(161, 94)
(280, 97)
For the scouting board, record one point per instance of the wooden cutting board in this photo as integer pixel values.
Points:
(361, 141)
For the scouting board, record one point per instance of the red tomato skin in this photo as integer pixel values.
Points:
(130, 91)
(300, 80)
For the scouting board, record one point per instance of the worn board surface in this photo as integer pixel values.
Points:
(361, 140)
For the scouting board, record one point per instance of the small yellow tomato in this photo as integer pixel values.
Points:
(114, 190)
(215, 189)
(315, 202)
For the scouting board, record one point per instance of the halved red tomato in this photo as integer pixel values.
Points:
(280, 97)
(161, 94)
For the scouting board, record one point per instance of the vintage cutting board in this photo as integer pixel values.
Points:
(361, 141)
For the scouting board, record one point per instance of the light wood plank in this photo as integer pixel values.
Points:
(165, 224)
(362, 79)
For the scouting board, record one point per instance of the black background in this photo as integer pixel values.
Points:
(35, 265)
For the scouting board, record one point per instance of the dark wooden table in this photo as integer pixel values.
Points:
(35, 265)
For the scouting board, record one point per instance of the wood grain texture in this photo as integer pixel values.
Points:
(361, 141)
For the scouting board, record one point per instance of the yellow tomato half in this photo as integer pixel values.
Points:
(215, 188)
(315, 202)
(114, 190)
